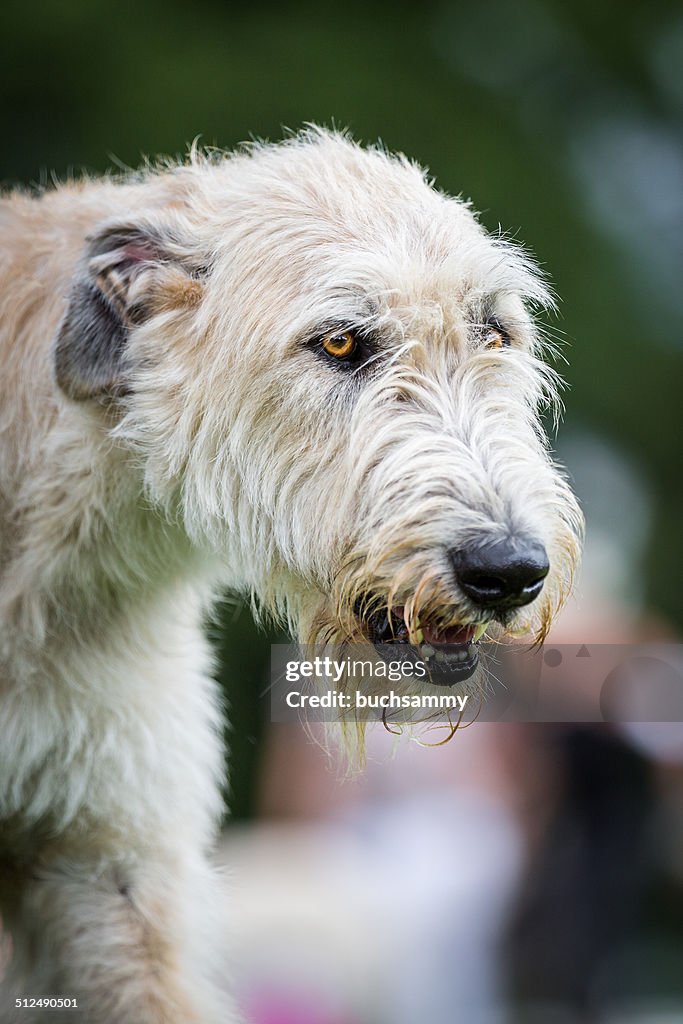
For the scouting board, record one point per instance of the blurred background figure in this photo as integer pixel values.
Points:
(522, 873)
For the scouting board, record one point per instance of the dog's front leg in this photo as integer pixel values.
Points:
(132, 942)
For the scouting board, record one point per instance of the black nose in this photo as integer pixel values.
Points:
(506, 574)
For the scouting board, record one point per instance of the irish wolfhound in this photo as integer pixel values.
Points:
(299, 372)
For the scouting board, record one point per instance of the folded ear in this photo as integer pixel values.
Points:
(117, 289)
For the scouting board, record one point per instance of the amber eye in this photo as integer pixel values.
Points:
(340, 346)
(496, 337)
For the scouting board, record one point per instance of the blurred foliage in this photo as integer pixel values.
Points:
(244, 654)
(561, 120)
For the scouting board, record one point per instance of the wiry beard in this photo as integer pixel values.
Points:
(361, 593)
(339, 624)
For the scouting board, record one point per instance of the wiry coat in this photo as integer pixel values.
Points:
(169, 426)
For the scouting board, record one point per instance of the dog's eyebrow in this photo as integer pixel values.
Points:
(355, 311)
(491, 307)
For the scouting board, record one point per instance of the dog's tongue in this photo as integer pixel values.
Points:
(452, 635)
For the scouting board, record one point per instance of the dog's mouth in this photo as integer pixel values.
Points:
(451, 653)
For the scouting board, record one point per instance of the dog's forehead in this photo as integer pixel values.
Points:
(331, 194)
(337, 231)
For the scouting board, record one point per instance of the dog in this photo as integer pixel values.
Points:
(299, 372)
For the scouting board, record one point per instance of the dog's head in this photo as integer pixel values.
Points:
(333, 375)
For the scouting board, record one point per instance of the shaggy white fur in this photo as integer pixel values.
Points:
(170, 425)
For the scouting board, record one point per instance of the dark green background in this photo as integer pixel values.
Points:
(514, 105)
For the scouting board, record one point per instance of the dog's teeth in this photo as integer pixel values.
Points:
(480, 630)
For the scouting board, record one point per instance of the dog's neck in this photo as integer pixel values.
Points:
(94, 556)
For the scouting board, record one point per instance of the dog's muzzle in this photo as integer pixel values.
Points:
(495, 578)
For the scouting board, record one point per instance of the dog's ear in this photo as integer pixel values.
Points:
(119, 286)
